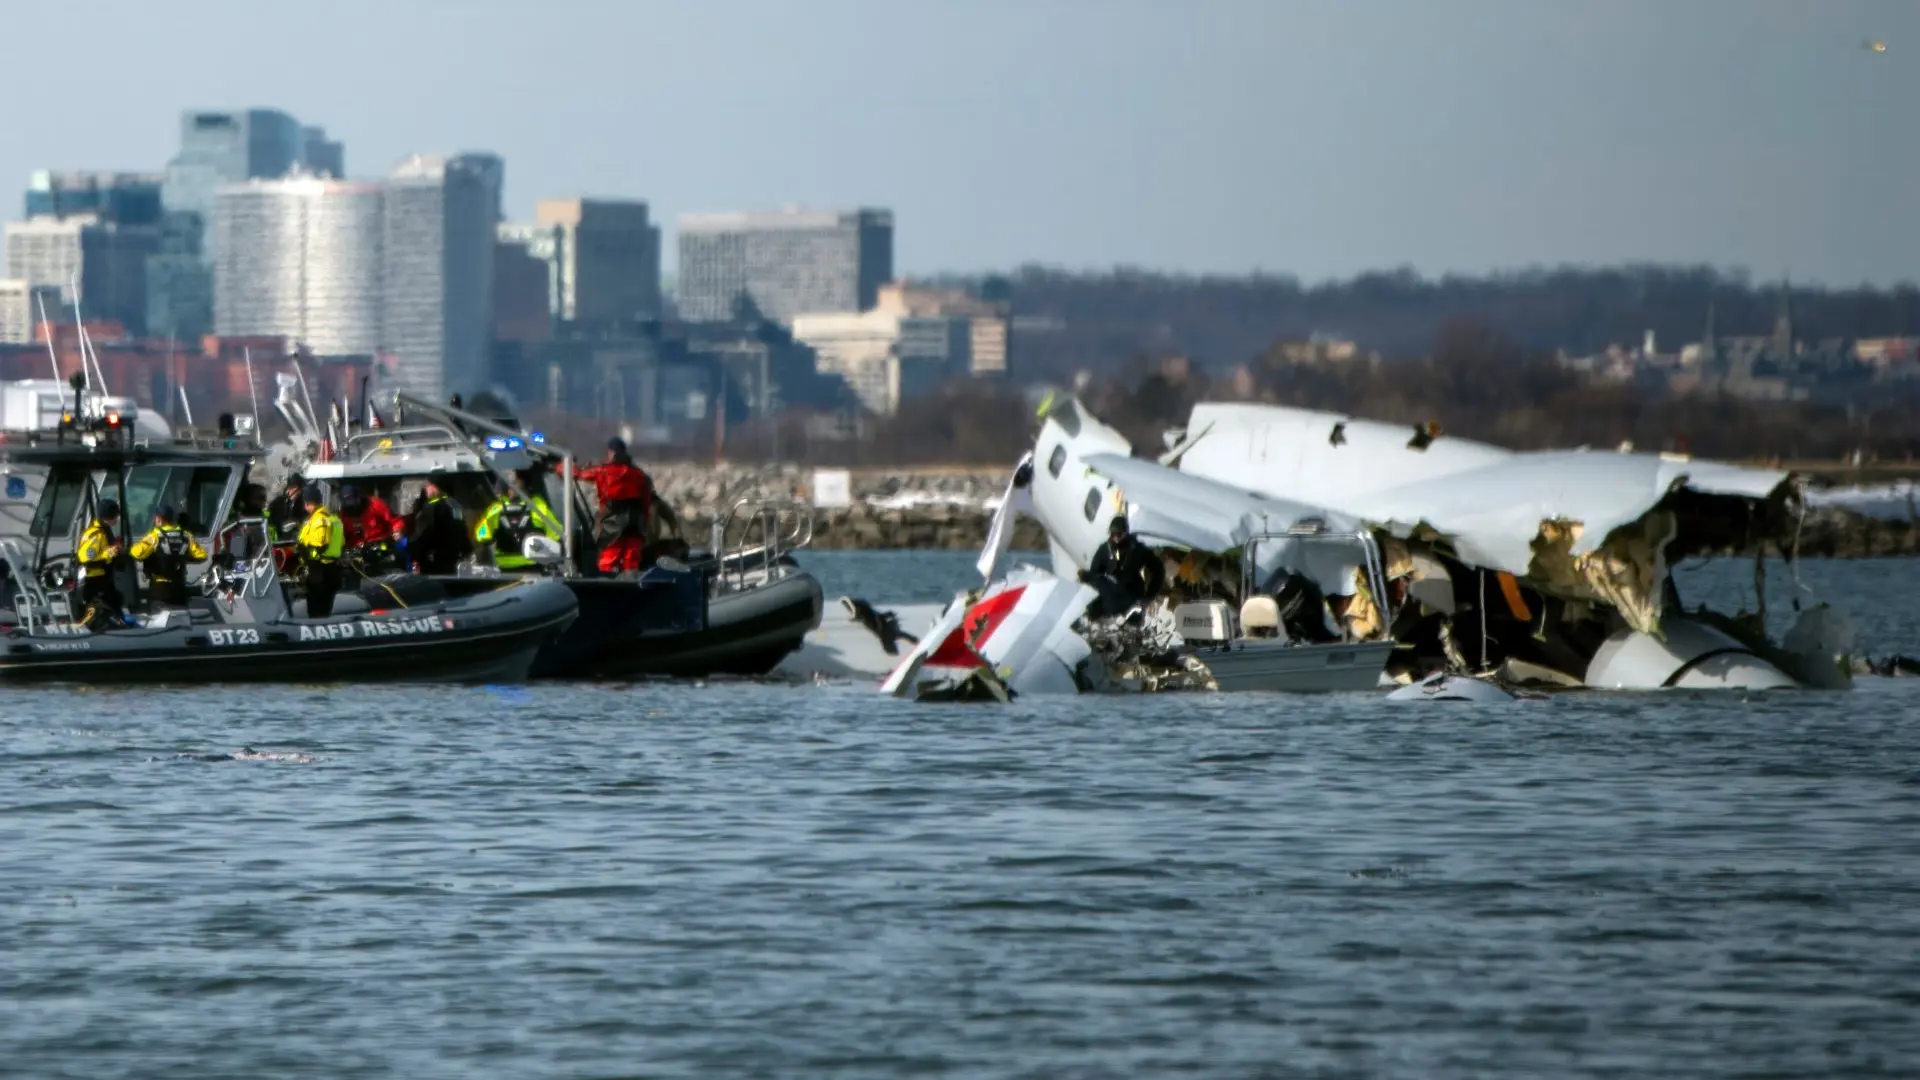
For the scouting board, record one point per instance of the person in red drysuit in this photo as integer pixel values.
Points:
(367, 518)
(626, 503)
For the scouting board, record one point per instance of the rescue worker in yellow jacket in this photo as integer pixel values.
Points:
(509, 520)
(104, 606)
(322, 540)
(166, 551)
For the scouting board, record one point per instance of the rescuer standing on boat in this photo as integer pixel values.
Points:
(322, 541)
(165, 551)
(1124, 572)
(626, 502)
(285, 513)
(437, 541)
(513, 517)
(95, 555)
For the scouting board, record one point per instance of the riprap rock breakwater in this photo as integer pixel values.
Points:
(934, 508)
(953, 507)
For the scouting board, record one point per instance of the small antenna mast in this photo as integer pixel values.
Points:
(46, 327)
(252, 394)
(86, 342)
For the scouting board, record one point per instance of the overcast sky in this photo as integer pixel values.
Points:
(1315, 138)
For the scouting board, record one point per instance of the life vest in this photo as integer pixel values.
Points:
(323, 538)
(167, 550)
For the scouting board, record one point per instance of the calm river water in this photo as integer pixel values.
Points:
(746, 880)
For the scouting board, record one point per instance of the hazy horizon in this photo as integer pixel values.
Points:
(1316, 140)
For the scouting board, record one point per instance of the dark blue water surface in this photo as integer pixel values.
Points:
(747, 880)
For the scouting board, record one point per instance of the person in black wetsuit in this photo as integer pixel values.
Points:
(286, 513)
(1123, 571)
(436, 540)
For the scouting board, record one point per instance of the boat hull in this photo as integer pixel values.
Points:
(1277, 667)
(489, 639)
(633, 630)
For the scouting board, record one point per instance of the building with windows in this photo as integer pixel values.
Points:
(442, 219)
(782, 263)
(885, 356)
(217, 148)
(605, 255)
(16, 312)
(108, 263)
(301, 258)
(118, 198)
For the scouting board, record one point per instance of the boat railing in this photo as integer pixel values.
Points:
(251, 575)
(769, 528)
(41, 610)
(367, 445)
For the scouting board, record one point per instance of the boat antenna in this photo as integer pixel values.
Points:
(46, 327)
(253, 395)
(187, 406)
(300, 375)
(86, 342)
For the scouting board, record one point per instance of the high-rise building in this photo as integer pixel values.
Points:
(301, 258)
(119, 198)
(108, 261)
(441, 223)
(226, 147)
(606, 260)
(542, 243)
(219, 147)
(786, 263)
(522, 286)
(16, 311)
(180, 280)
(323, 157)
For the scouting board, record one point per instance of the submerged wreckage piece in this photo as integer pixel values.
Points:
(1548, 567)
(1016, 637)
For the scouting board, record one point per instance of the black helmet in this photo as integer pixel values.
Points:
(109, 509)
(349, 492)
(164, 512)
(1117, 525)
(294, 480)
(310, 495)
(617, 445)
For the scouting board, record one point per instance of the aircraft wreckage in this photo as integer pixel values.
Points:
(1308, 551)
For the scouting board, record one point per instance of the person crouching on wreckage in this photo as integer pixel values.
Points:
(625, 493)
(1123, 572)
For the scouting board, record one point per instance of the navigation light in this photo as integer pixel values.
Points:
(537, 438)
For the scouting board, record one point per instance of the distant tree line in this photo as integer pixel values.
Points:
(1095, 321)
(1475, 381)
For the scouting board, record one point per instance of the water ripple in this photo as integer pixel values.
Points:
(735, 879)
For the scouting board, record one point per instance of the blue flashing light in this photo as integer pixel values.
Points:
(496, 442)
(514, 443)
(537, 438)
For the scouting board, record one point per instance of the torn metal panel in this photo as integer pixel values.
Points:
(1166, 507)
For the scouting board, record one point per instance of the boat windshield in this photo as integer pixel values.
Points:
(196, 493)
(59, 501)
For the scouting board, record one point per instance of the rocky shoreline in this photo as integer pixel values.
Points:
(951, 509)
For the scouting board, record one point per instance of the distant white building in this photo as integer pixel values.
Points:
(16, 311)
(886, 356)
(787, 262)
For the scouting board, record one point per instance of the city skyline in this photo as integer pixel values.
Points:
(1318, 140)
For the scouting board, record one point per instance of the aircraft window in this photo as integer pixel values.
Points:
(1067, 416)
(1093, 503)
(1056, 461)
